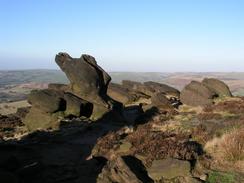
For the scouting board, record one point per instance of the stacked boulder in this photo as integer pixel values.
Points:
(86, 95)
(203, 93)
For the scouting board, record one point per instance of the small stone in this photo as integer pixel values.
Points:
(168, 169)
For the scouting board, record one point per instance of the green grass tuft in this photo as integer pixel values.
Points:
(220, 177)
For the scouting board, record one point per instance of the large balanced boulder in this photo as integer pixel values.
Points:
(217, 86)
(196, 94)
(88, 81)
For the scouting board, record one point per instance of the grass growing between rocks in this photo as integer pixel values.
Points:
(220, 177)
(227, 151)
(229, 147)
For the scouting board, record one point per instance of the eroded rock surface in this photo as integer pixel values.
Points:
(47, 100)
(125, 95)
(202, 93)
(196, 94)
(218, 87)
(169, 168)
(124, 170)
(162, 88)
(85, 96)
(87, 79)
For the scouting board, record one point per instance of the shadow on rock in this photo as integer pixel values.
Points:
(56, 156)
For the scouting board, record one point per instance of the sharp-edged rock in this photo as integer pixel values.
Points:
(124, 170)
(87, 81)
(76, 106)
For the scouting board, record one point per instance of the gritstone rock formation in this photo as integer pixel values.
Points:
(87, 79)
(217, 86)
(203, 93)
(149, 88)
(162, 88)
(123, 170)
(124, 95)
(195, 94)
(86, 95)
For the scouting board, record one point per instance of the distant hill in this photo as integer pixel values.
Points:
(14, 85)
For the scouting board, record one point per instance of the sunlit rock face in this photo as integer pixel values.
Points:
(85, 96)
(87, 79)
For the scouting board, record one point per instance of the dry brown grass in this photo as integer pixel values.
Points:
(228, 150)
(161, 144)
(190, 109)
(233, 145)
(232, 106)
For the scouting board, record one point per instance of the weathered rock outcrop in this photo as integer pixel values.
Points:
(47, 107)
(38, 119)
(76, 106)
(162, 88)
(120, 93)
(88, 81)
(196, 94)
(125, 95)
(159, 99)
(124, 170)
(169, 168)
(218, 87)
(47, 100)
(86, 95)
(203, 93)
(137, 86)
(152, 89)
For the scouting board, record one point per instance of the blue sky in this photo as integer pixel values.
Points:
(124, 35)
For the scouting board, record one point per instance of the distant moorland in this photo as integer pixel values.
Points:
(14, 85)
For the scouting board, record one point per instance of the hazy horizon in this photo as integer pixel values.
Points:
(125, 36)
